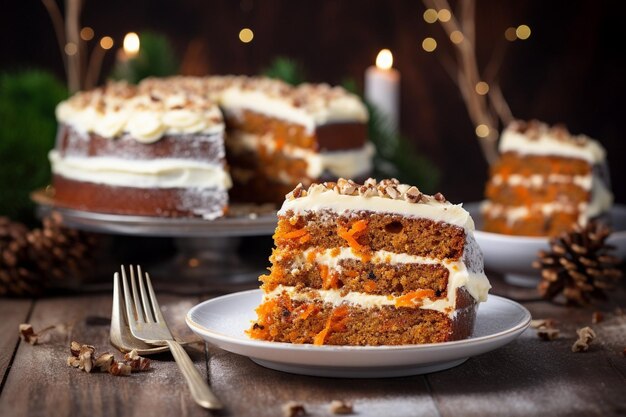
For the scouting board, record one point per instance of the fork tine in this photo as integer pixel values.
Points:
(155, 304)
(130, 306)
(138, 305)
(147, 309)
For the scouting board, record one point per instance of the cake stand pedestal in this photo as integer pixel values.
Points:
(209, 255)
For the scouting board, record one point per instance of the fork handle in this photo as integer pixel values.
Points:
(199, 388)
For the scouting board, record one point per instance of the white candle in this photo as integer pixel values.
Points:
(382, 87)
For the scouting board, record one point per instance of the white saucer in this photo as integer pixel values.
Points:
(222, 321)
(513, 256)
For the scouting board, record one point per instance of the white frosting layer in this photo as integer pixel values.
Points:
(349, 163)
(157, 173)
(303, 106)
(547, 143)
(319, 198)
(538, 181)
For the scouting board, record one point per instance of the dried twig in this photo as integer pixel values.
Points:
(487, 108)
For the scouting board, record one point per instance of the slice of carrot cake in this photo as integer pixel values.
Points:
(373, 264)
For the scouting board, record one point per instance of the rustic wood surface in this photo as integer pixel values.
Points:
(528, 377)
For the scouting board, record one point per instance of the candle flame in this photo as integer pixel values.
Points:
(384, 59)
(131, 44)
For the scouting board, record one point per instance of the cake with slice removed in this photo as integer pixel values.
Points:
(372, 264)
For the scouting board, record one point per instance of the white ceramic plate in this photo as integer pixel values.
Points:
(513, 255)
(222, 321)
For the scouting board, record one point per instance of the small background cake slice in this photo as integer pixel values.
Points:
(372, 264)
(545, 181)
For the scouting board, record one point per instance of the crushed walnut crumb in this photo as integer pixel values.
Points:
(28, 334)
(136, 362)
(293, 409)
(341, 407)
(597, 317)
(546, 328)
(586, 335)
(84, 358)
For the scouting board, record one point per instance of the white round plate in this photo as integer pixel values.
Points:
(513, 255)
(223, 321)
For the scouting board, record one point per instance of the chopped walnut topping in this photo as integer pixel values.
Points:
(136, 362)
(597, 317)
(104, 362)
(585, 337)
(543, 323)
(75, 348)
(548, 333)
(85, 358)
(27, 334)
(386, 188)
(293, 409)
(413, 195)
(546, 329)
(120, 369)
(341, 407)
(73, 361)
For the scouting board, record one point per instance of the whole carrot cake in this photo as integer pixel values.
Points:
(377, 263)
(545, 181)
(161, 148)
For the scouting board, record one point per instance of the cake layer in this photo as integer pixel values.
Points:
(530, 223)
(329, 137)
(545, 165)
(309, 319)
(503, 193)
(367, 231)
(207, 148)
(169, 202)
(339, 268)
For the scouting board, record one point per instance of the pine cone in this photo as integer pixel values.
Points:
(578, 265)
(31, 261)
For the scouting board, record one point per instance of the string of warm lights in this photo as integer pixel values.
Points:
(481, 93)
(83, 73)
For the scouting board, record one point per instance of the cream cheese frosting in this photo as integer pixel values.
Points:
(537, 138)
(157, 173)
(322, 197)
(180, 105)
(352, 163)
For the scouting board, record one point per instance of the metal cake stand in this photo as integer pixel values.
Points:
(212, 253)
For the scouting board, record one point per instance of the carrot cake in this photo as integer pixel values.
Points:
(372, 264)
(279, 135)
(162, 148)
(545, 181)
(156, 149)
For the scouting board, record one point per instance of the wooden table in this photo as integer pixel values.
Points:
(528, 377)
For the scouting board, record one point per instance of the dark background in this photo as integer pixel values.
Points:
(570, 70)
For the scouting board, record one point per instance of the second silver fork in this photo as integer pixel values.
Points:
(147, 323)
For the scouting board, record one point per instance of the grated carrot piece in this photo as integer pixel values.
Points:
(414, 298)
(369, 285)
(335, 322)
(294, 234)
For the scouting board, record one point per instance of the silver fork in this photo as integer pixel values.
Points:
(147, 323)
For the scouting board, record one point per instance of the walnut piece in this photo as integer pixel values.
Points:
(120, 369)
(548, 333)
(293, 409)
(341, 407)
(27, 334)
(597, 317)
(546, 329)
(85, 358)
(585, 337)
(104, 362)
(136, 362)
